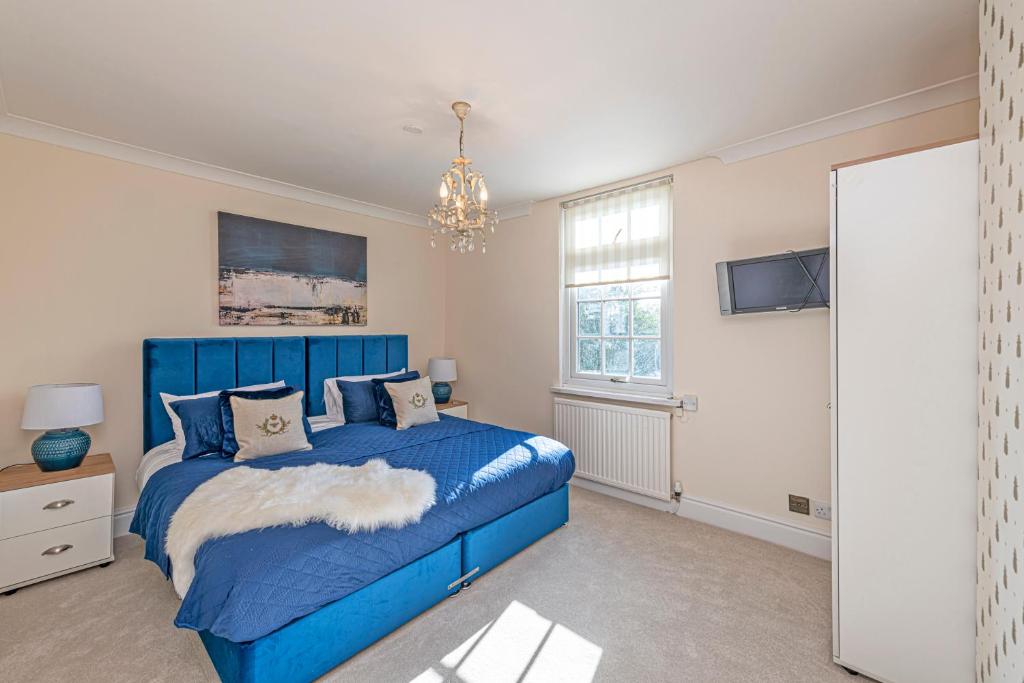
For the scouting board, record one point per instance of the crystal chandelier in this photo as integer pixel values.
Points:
(462, 213)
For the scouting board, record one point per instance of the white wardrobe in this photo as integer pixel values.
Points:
(904, 316)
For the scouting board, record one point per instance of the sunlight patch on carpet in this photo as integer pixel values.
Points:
(520, 645)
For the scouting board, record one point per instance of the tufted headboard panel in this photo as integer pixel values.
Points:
(192, 366)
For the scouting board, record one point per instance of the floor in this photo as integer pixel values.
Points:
(623, 593)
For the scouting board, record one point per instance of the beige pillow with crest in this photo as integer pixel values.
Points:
(269, 426)
(414, 402)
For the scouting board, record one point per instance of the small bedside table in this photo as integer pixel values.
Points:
(54, 523)
(455, 408)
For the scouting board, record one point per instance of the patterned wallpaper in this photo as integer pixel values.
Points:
(1000, 606)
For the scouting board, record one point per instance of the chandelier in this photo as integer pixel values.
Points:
(461, 213)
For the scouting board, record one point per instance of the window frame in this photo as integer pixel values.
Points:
(662, 387)
(643, 385)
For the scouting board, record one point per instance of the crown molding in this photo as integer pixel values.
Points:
(515, 211)
(933, 97)
(31, 129)
(24, 127)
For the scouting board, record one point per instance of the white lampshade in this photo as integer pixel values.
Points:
(442, 370)
(58, 406)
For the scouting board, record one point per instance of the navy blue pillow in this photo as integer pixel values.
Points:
(200, 422)
(357, 401)
(227, 415)
(385, 407)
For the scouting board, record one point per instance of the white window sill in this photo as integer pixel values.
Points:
(626, 397)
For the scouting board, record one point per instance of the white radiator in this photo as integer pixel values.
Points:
(629, 448)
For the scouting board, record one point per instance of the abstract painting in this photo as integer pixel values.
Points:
(279, 274)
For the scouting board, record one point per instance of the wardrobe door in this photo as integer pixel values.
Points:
(904, 323)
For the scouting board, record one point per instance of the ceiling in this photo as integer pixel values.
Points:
(566, 95)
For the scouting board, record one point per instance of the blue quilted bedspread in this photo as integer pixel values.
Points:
(250, 584)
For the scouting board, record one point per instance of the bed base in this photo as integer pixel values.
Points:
(487, 546)
(316, 643)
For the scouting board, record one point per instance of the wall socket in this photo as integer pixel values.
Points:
(799, 504)
(822, 510)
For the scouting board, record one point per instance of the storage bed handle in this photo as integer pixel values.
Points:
(462, 579)
(58, 504)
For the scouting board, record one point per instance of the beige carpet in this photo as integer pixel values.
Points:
(623, 593)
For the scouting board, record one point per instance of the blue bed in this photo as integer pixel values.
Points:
(291, 603)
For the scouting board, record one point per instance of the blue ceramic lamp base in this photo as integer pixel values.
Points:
(60, 449)
(442, 392)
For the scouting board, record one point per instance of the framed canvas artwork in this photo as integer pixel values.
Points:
(274, 273)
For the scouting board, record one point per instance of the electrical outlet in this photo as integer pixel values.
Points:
(800, 504)
(822, 510)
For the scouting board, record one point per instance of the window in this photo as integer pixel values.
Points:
(616, 264)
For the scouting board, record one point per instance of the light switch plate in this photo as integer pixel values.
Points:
(690, 403)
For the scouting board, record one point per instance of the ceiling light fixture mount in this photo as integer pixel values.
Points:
(461, 212)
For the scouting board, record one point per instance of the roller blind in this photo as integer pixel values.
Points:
(619, 236)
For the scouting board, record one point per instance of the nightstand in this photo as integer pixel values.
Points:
(54, 523)
(455, 408)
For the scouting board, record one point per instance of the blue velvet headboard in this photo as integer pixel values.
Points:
(192, 366)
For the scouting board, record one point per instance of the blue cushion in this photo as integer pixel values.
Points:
(385, 407)
(203, 420)
(201, 424)
(227, 415)
(357, 401)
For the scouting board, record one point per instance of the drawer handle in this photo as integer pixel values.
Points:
(58, 504)
(57, 549)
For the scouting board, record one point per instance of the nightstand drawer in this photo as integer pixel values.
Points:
(47, 552)
(24, 511)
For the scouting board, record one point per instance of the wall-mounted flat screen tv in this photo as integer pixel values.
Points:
(791, 281)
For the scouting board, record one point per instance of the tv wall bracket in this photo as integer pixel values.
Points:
(813, 279)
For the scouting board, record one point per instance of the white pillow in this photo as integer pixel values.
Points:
(179, 433)
(156, 459)
(332, 394)
(414, 402)
(269, 426)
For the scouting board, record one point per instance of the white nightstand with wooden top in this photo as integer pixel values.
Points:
(54, 523)
(455, 408)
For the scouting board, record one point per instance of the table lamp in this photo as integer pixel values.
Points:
(61, 409)
(442, 371)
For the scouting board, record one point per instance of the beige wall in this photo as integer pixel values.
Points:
(763, 380)
(98, 254)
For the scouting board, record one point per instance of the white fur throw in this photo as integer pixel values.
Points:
(240, 499)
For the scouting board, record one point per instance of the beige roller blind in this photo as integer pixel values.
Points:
(619, 236)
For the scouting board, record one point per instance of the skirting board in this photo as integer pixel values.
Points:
(622, 494)
(809, 542)
(123, 520)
